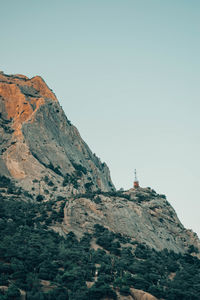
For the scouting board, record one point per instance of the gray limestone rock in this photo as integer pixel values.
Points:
(38, 142)
(143, 216)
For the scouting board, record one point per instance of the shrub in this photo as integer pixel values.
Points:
(13, 293)
(80, 168)
(70, 179)
(60, 198)
(97, 200)
(55, 169)
(39, 198)
(124, 290)
(50, 183)
(88, 186)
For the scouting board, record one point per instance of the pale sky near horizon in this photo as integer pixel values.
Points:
(127, 75)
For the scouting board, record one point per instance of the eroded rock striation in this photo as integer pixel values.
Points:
(40, 147)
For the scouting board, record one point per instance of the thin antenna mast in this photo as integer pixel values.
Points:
(135, 172)
(136, 182)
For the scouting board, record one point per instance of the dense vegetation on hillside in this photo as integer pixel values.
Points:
(37, 260)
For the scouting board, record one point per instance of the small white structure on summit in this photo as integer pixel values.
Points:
(136, 182)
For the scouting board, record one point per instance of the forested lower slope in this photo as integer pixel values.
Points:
(40, 263)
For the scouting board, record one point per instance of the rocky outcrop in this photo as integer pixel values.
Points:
(141, 295)
(40, 148)
(139, 214)
(135, 295)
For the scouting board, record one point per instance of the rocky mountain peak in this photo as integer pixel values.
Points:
(38, 142)
(22, 97)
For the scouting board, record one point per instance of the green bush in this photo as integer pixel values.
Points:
(39, 198)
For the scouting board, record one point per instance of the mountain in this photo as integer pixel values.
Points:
(65, 232)
(39, 143)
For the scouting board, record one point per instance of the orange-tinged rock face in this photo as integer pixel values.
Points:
(36, 82)
(15, 101)
(18, 104)
(37, 139)
(20, 98)
(39, 84)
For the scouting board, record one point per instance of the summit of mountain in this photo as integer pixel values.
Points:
(39, 146)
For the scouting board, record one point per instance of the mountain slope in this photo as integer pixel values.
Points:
(45, 155)
(139, 214)
(43, 265)
(39, 143)
(65, 233)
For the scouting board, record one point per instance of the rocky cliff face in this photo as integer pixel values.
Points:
(40, 147)
(139, 214)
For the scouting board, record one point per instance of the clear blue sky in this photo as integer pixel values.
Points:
(127, 75)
